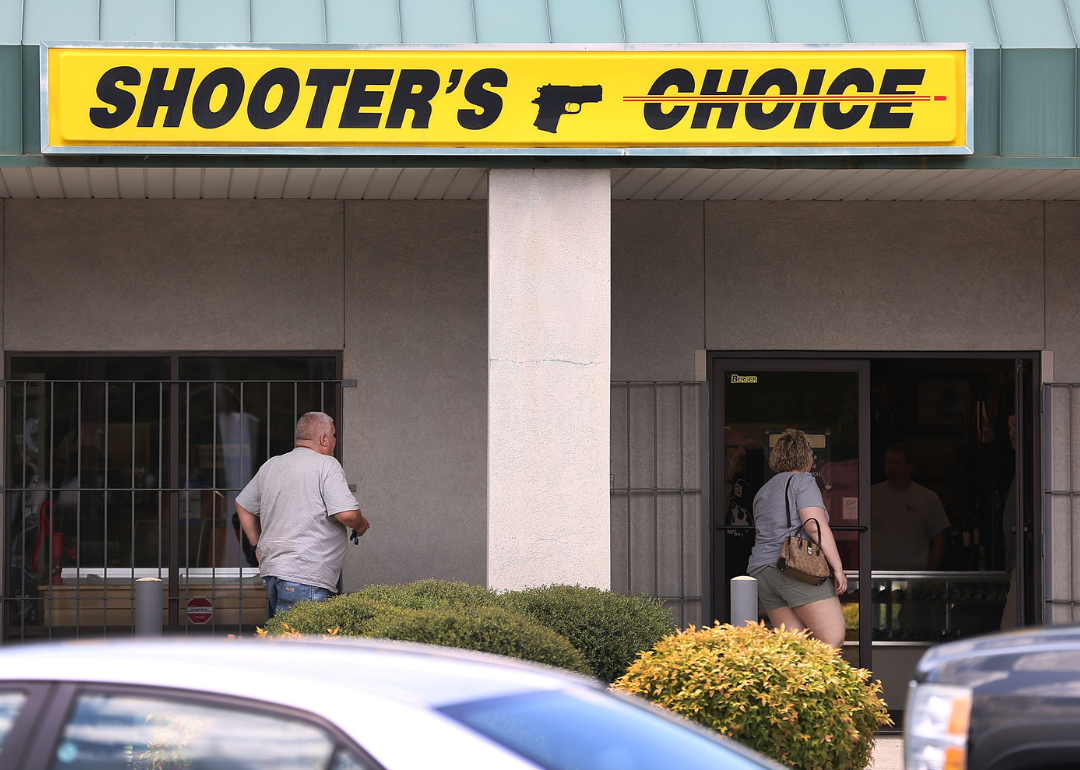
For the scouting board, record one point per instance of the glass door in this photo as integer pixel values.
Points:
(829, 400)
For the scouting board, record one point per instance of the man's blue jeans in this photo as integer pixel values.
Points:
(283, 594)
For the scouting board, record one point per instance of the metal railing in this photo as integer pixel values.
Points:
(1061, 487)
(113, 480)
(660, 494)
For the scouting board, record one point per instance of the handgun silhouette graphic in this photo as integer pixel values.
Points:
(555, 101)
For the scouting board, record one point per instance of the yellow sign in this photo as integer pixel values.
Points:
(726, 100)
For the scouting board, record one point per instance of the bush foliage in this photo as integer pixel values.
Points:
(431, 594)
(781, 692)
(605, 630)
(484, 629)
(610, 630)
(350, 615)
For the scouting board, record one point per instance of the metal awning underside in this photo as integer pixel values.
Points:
(471, 184)
(986, 23)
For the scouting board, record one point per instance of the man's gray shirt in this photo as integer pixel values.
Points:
(295, 496)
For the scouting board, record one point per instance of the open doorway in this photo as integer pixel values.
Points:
(947, 438)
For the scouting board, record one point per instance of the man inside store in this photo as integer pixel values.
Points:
(908, 522)
(296, 512)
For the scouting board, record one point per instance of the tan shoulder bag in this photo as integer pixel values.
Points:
(801, 555)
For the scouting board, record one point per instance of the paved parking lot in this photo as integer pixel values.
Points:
(888, 753)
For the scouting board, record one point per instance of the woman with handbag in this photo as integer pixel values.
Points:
(795, 560)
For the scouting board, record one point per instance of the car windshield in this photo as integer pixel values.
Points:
(593, 731)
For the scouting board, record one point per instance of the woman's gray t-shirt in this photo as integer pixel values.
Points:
(770, 515)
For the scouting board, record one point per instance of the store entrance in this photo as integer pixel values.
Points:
(926, 466)
(829, 401)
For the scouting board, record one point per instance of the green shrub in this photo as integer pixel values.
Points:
(780, 692)
(431, 594)
(485, 629)
(609, 629)
(350, 615)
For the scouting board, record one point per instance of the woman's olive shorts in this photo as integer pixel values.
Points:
(776, 590)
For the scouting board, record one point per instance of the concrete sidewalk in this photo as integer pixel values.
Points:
(888, 753)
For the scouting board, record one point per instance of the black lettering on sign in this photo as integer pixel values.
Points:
(838, 118)
(281, 77)
(123, 102)
(359, 96)
(490, 103)
(756, 115)
(406, 97)
(655, 116)
(325, 81)
(233, 83)
(158, 96)
(884, 117)
(805, 116)
(710, 86)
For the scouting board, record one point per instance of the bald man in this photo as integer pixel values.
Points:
(297, 512)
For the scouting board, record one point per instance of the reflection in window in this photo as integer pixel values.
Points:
(117, 732)
(10, 705)
(564, 731)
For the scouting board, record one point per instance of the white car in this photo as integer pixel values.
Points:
(340, 705)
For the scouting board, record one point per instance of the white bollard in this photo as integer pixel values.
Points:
(744, 605)
(148, 603)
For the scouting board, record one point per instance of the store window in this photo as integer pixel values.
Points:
(127, 467)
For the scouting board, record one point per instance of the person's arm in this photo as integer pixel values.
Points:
(354, 520)
(937, 551)
(828, 544)
(939, 523)
(249, 522)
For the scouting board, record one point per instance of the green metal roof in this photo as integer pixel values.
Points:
(1026, 58)
(987, 23)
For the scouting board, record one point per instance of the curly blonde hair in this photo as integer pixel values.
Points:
(792, 452)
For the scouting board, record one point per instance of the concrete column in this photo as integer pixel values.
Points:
(549, 372)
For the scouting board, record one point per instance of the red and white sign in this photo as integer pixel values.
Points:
(200, 610)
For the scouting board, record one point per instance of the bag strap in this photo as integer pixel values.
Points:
(787, 501)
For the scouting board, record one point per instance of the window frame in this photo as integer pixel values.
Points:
(26, 725)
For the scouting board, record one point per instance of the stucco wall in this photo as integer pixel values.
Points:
(400, 287)
(1062, 285)
(100, 275)
(657, 293)
(416, 342)
(930, 275)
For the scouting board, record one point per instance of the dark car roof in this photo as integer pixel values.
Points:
(939, 660)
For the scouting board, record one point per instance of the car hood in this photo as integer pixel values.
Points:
(982, 661)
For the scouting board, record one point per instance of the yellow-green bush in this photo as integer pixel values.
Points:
(781, 692)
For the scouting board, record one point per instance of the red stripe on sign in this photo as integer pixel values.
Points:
(787, 98)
